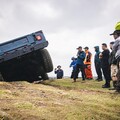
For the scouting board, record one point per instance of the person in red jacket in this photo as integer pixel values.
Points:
(87, 62)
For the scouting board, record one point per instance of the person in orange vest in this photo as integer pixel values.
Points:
(87, 62)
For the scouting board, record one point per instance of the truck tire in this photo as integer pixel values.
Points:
(46, 61)
(45, 76)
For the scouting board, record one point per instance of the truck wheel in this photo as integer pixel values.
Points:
(45, 76)
(46, 61)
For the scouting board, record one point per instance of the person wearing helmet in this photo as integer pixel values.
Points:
(73, 65)
(117, 26)
(116, 48)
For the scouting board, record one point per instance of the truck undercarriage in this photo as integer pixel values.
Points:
(28, 67)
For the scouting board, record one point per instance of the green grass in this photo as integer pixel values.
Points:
(79, 85)
(58, 100)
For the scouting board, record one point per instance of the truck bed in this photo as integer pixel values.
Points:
(21, 46)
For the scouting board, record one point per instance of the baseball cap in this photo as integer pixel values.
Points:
(79, 47)
(112, 43)
(115, 32)
(86, 48)
(58, 66)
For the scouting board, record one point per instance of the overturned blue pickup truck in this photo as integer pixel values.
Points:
(25, 58)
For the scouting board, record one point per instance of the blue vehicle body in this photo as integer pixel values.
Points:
(21, 46)
(23, 54)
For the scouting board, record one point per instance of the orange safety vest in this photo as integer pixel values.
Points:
(88, 57)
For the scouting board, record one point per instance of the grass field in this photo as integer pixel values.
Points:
(58, 100)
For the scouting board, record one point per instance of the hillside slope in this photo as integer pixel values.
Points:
(58, 100)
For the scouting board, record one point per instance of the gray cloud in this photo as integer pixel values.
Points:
(77, 15)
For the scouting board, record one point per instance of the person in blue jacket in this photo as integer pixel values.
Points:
(59, 72)
(97, 63)
(73, 64)
(80, 64)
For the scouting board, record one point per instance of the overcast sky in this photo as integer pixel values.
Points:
(66, 24)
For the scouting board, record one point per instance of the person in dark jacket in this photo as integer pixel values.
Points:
(73, 65)
(113, 65)
(104, 56)
(80, 64)
(97, 63)
(59, 72)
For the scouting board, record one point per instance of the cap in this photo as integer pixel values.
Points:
(73, 58)
(115, 32)
(112, 43)
(86, 48)
(58, 66)
(79, 47)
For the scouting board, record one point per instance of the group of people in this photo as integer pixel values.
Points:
(82, 63)
(106, 63)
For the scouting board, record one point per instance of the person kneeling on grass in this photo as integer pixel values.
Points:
(80, 64)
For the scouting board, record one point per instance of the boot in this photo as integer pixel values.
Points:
(74, 80)
(106, 85)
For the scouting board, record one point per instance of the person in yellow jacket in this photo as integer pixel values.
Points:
(87, 62)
